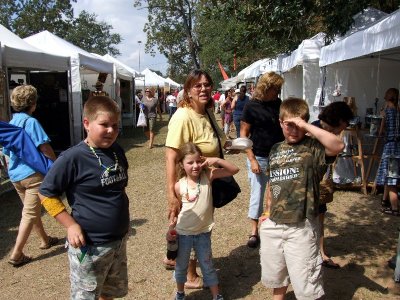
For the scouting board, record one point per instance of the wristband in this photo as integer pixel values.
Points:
(53, 205)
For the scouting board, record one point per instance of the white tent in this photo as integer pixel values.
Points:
(18, 53)
(150, 79)
(229, 83)
(364, 64)
(251, 72)
(122, 71)
(301, 72)
(172, 83)
(81, 61)
(271, 65)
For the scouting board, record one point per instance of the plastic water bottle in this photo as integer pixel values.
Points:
(172, 246)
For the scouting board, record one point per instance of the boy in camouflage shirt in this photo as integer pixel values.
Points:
(288, 232)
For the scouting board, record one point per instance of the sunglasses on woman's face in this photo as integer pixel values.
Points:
(199, 86)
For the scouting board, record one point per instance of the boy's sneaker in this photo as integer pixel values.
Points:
(180, 296)
(219, 297)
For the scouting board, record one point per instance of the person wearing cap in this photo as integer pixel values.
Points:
(237, 106)
(99, 90)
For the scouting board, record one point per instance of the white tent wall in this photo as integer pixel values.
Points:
(361, 79)
(303, 82)
(76, 108)
(311, 83)
(301, 72)
(293, 86)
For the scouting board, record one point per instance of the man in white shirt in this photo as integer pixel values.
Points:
(172, 105)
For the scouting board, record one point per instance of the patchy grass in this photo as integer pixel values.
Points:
(358, 236)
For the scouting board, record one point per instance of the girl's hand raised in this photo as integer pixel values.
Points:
(210, 161)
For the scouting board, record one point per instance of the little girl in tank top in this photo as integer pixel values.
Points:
(196, 218)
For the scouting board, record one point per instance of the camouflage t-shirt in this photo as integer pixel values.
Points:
(295, 172)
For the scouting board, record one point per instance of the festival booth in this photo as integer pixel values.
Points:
(120, 87)
(363, 66)
(126, 87)
(150, 79)
(23, 63)
(301, 72)
(82, 62)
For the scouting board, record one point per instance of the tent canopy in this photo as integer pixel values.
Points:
(382, 38)
(18, 53)
(308, 50)
(51, 43)
(270, 65)
(150, 79)
(120, 71)
(121, 64)
(171, 82)
(229, 83)
(252, 71)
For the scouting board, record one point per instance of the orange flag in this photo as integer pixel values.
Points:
(221, 68)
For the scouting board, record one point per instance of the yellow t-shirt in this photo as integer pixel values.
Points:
(186, 125)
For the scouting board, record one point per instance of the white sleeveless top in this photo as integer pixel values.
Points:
(196, 216)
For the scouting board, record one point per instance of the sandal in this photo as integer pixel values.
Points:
(254, 241)
(385, 203)
(50, 243)
(390, 211)
(22, 260)
(195, 284)
(329, 263)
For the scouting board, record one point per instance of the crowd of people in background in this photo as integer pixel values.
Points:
(289, 169)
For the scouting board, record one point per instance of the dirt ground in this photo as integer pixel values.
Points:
(358, 236)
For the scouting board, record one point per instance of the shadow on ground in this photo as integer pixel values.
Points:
(10, 216)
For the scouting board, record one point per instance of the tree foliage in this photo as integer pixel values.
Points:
(99, 40)
(171, 28)
(27, 17)
(251, 29)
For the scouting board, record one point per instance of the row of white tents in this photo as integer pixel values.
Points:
(362, 64)
(46, 53)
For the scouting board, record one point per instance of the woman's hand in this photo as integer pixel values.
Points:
(174, 207)
(255, 166)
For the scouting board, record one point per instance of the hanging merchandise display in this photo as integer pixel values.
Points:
(337, 92)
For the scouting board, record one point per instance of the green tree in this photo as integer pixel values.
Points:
(27, 17)
(34, 16)
(265, 28)
(170, 28)
(7, 9)
(98, 39)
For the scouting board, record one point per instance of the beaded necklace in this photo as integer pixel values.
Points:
(107, 169)
(193, 197)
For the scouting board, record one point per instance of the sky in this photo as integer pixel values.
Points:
(128, 21)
